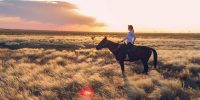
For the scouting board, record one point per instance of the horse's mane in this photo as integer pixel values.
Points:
(113, 42)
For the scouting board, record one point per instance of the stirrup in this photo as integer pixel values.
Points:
(126, 57)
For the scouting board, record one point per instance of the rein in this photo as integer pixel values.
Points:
(116, 48)
(113, 50)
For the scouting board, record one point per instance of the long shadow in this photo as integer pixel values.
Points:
(170, 71)
(132, 92)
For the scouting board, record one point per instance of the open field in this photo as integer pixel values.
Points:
(111, 34)
(57, 67)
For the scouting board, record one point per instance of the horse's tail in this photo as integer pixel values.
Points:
(155, 57)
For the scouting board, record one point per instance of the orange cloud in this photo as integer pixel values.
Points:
(43, 15)
(18, 23)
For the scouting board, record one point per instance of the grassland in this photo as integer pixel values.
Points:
(55, 67)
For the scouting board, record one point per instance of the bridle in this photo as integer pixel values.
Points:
(104, 44)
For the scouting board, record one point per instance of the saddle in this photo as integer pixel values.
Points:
(132, 49)
(127, 55)
(127, 51)
(123, 46)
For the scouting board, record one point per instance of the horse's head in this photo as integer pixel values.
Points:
(102, 44)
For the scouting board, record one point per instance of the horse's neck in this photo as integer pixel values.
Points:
(112, 46)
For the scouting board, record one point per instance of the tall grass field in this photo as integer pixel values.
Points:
(38, 66)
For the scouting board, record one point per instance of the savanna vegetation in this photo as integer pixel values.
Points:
(55, 67)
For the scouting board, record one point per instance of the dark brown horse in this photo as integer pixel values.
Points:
(142, 53)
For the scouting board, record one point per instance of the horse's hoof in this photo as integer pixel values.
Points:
(144, 72)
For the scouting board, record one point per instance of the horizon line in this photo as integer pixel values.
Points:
(99, 31)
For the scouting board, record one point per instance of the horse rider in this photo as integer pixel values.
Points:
(130, 39)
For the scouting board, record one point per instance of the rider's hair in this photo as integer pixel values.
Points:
(130, 27)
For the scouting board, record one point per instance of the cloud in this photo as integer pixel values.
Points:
(55, 13)
(18, 23)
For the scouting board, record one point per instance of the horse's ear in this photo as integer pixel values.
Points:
(105, 37)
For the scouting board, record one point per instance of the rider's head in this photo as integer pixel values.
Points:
(130, 27)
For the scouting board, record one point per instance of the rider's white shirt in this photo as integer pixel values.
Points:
(130, 37)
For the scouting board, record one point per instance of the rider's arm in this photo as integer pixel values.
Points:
(134, 37)
(124, 39)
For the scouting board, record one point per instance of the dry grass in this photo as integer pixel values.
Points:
(50, 73)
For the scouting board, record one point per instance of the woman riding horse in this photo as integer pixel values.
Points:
(130, 39)
(142, 53)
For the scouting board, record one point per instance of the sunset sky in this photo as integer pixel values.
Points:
(101, 15)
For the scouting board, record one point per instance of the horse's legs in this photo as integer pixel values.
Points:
(145, 64)
(122, 66)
